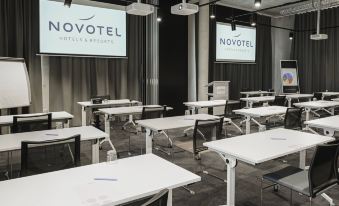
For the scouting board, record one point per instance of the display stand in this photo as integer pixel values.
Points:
(289, 76)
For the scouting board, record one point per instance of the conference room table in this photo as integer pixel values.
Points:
(12, 142)
(195, 106)
(259, 112)
(330, 94)
(327, 106)
(131, 111)
(261, 147)
(89, 106)
(256, 93)
(105, 184)
(265, 99)
(170, 123)
(336, 100)
(61, 118)
(330, 125)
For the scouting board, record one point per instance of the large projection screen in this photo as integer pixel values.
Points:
(81, 30)
(235, 46)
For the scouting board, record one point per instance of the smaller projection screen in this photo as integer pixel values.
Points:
(235, 46)
(81, 30)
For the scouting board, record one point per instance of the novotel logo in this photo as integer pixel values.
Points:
(236, 42)
(83, 28)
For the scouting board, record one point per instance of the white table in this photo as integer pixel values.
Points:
(261, 93)
(260, 147)
(327, 106)
(258, 112)
(12, 142)
(330, 94)
(123, 181)
(59, 117)
(336, 100)
(169, 123)
(328, 124)
(123, 111)
(88, 105)
(195, 106)
(265, 99)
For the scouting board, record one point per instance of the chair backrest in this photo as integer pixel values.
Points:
(31, 123)
(159, 199)
(46, 156)
(279, 101)
(206, 130)
(293, 118)
(323, 172)
(103, 97)
(317, 95)
(153, 112)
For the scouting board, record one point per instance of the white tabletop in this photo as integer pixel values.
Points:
(256, 92)
(262, 111)
(10, 142)
(331, 122)
(298, 96)
(317, 104)
(260, 147)
(108, 103)
(56, 116)
(330, 93)
(176, 122)
(136, 177)
(336, 100)
(128, 110)
(258, 99)
(210, 103)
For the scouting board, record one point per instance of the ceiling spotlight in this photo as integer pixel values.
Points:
(233, 25)
(257, 3)
(68, 3)
(291, 37)
(159, 19)
(253, 20)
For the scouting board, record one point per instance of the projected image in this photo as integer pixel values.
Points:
(289, 77)
(235, 46)
(81, 30)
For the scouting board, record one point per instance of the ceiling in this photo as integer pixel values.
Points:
(249, 5)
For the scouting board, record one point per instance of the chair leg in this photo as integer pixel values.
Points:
(291, 198)
(261, 192)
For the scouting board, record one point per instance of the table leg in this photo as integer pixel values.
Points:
(149, 139)
(289, 102)
(83, 116)
(95, 151)
(66, 124)
(250, 104)
(248, 124)
(107, 125)
(170, 197)
(308, 111)
(302, 159)
(214, 133)
(231, 164)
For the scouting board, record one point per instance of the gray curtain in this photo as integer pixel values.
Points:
(318, 60)
(256, 76)
(72, 79)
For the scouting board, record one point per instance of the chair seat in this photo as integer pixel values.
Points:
(291, 177)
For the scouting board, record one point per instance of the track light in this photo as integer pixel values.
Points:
(68, 3)
(257, 3)
(291, 37)
(253, 20)
(233, 25)
(212, 16)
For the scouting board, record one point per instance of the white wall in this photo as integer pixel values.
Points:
(281, 47)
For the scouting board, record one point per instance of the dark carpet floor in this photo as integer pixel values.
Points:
(210, 191)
